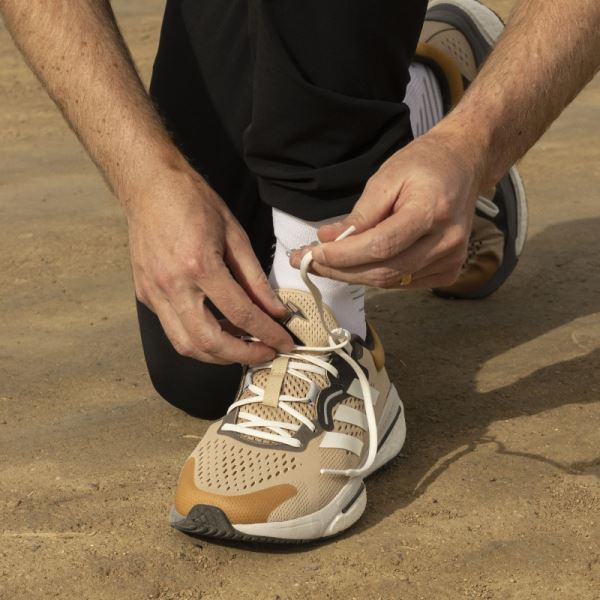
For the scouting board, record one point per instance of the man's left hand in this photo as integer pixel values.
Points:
(413, 219)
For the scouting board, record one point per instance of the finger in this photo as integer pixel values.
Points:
(430, 281)
(450, 265)
(442, 273)
(246, 269)
(208, 338)
(179, 336)
(371, 208)
(235, 305)
(433, 254)
(386, 274)
(424, 251)
(380, 243)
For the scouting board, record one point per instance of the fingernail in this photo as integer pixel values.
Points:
(303, 249)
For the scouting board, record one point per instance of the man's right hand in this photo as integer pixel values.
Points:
(185, 247)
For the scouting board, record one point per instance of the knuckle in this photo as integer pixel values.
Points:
(165, 280)
(205, 343)
(383, 277)
(194, 267)
(455, 241)
(372, 186)
(142, 295)
(381, 247)
(182, 347)
(328, 256)
(241, 316)
(443, 210)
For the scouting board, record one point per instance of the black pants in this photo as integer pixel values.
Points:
(286, 103)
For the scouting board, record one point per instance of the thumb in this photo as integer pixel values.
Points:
(369, 210)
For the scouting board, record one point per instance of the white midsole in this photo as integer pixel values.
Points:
(489, 23)
(331, 519)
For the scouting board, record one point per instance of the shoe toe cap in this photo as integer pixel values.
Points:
(252, 507)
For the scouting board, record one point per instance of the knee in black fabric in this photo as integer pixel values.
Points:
(202, 390)
(206, 394)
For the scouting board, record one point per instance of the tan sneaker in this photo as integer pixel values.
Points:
(287, 462)
(457, 37)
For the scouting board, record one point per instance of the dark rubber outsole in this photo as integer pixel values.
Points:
(206, 521)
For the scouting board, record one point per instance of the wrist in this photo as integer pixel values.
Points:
(147, 172)
(470, 141)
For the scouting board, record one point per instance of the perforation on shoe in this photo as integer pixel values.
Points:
(226, 469)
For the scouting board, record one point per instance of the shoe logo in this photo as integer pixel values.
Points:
(294, 311)
(325, 409)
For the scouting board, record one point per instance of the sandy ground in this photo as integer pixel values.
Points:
(496, 496)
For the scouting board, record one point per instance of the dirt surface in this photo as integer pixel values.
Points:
(496, 496)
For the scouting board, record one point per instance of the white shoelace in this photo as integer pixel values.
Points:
(299, 363)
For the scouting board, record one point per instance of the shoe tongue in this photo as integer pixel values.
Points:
(304, 320)
(304, 323)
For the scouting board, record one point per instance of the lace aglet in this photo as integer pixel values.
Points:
(346, 233)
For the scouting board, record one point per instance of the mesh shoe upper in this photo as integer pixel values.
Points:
(256, 480)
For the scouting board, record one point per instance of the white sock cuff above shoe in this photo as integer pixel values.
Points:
(345, 301)
(424, 99)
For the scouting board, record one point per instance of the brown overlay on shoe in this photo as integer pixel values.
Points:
(254, 507)
(377, 351)
(484, 257)
(451, 43)
(431, 54)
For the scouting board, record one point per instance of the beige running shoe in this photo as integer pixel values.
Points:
(287, 462)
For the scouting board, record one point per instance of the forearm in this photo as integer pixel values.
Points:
(76, 50)
(549, 51)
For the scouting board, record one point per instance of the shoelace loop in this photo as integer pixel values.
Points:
(283, 432)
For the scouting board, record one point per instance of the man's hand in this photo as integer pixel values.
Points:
(186, 247)
(414, 217)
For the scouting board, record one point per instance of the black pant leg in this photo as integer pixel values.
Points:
(327, 100)
(200, 389)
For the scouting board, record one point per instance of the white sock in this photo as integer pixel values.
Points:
(424, 99)
(346, 301)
